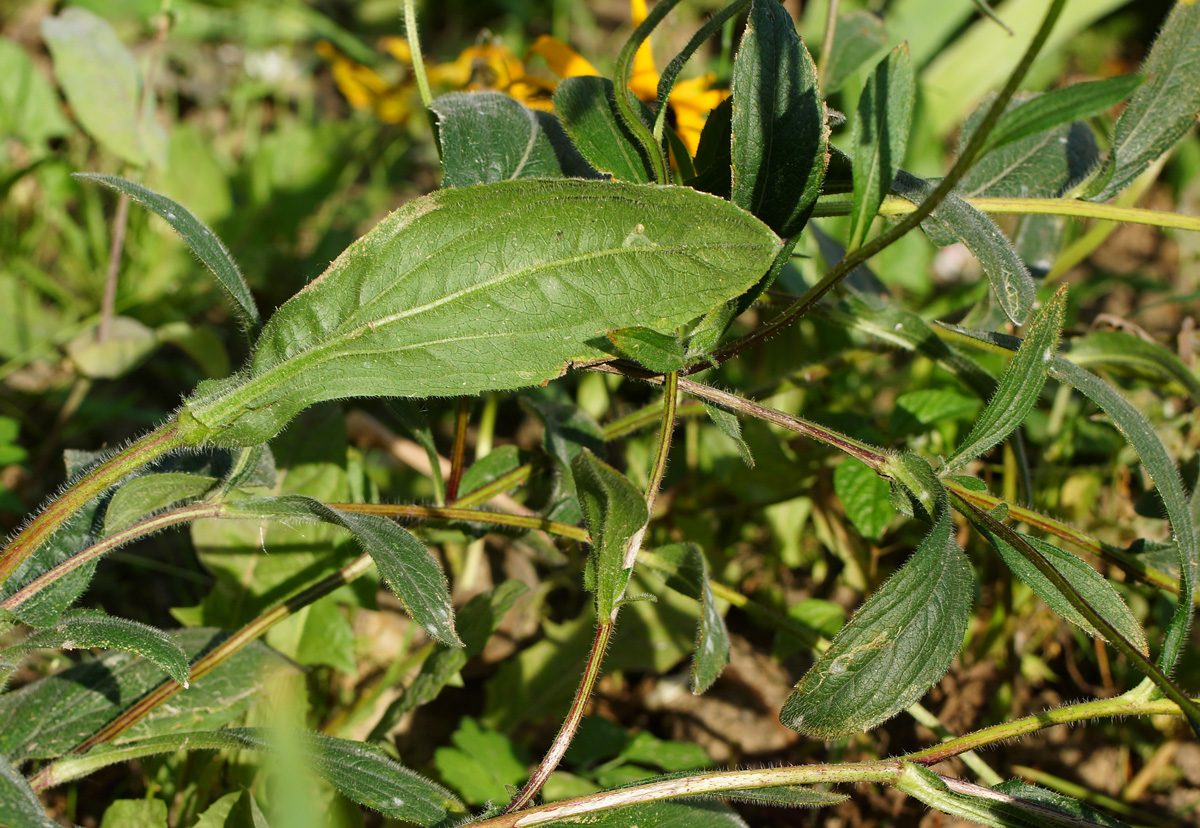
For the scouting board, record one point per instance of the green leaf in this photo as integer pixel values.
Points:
(135, 813)
(1011, 282)
(477, 621)
(916, 477)
(1117, 349)
(481, 764)
(402, 559)
(86, 629)
(879, 138)
(131, 343)
(656, 351)
(647, 749)
(865, 496)
(234, 810)
(103, 85)
(489, 468)
(731, 427)
(488, 137)
(19, 805)
(151, 492)
(667, 814)
(1092, 586)
(200, 238)
(779, 131)
(368, 776)
(1059, 107)
(568, 431)
(1020, 386)
(29, 106)
(1163, 110)
(931, 406)
(614, 511)
(413, 420)
(686, 571)
(587, 108)
(786, 796)
(714, 157)
(579, 259)
(858, 40)
(1038, 803)
(894, 649)
(48, 717)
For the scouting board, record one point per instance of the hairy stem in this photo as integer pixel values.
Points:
(457, 513)
(459, 452)
(670, 404)
(92, 484)
(414, 48)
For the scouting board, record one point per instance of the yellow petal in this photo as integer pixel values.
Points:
(395, 106)
(560, 58)
(534, 93)
(644, 82)
(397, 47)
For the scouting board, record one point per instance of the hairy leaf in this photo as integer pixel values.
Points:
(780, 136)
(152, 492)
(896, 646)
(19, 805)
(879, 138)
(485, 288)
(1163, 110)
(202, 240)
(685, 570)
(83, 630)
(488, 137)
(786, 796)
(1058, 107)
(731, 427)
(587, 108)
(1010, 279)
(1044, 165)
(668, 814)
(656, 351)
(1019, 387)
(614, 511)
(1135, 355)
(402, 559)
(1089, 583)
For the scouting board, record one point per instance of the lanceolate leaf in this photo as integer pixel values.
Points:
(899, 643)
(82, 630)
(1163, 110)
(403, 561)
(1060, 106)
(1123, 351)
(587, 108)
(150, 493)
(667, 814)
(19, 805)
(780, 137)
(488, 137)
(786, 796)
(1019, 387)
(1087, 582)
(485, 288)
(614, 511)
(879, 138)
(1010, 279)
(203, 241)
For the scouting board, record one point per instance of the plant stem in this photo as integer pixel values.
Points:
(403, 510)
(138, 530)
(116, 248)
(895, 206)
(92, 484)
(414, 48)
(911, 220)
(459, 452)
(670, 403)
(211, 660)
(827, 42)
(566, 733)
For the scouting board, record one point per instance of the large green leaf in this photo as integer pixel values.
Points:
(779, 130)
(402, 559)
(200, 238)
(488, 137)
(615, 511)
(587, 108)
(48, 717)
(879, 138)
(19, 805)
(1019, 387)
(1011, 282)
(103, 85)
(1163, 110)
(83, 630)
(484, 288)
(896, 646)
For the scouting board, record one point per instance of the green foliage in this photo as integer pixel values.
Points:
(576, 260)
